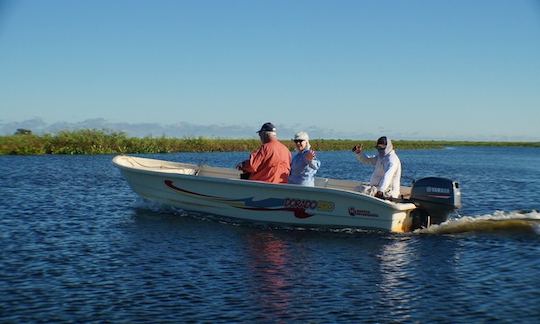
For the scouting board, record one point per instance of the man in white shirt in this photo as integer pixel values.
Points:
(386, 177)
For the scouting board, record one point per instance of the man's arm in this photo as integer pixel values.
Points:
(360, 156)
(255, 160)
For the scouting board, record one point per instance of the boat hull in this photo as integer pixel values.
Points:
(256, 201)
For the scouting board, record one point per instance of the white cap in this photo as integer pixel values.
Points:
(301, 136)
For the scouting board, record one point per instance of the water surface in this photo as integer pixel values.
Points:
(78, 245)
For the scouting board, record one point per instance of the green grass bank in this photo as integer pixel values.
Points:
(91, 141)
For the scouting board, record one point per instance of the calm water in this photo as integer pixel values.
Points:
(77, 245)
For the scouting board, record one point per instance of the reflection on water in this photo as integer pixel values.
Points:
(268, 270)
(419, 279)
(395, 259)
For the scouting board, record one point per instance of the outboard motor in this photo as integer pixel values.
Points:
(435, 199)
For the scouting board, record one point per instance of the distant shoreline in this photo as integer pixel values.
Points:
(91, 141)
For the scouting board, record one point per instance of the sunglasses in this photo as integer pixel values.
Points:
(298, 141)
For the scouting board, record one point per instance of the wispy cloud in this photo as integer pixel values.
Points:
(186, 129)
(179, 129)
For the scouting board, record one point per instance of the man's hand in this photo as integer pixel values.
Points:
(357, 149)
(310, 155)
(240, 166)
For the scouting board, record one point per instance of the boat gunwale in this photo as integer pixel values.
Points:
(399, 206)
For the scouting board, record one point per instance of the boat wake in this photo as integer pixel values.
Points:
(501, 222)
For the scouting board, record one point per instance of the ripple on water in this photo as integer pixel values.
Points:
(78, 246)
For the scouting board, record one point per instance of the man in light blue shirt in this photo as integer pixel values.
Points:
(304, 164)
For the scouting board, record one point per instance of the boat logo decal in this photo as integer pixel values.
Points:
(361, 212)
(438, 190)
(309, 204)
(299, 207)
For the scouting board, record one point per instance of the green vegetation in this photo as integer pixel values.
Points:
(91, 141)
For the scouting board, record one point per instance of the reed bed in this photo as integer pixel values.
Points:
(92, 141)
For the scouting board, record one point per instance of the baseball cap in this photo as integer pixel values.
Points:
(267, 127)
(301, 136)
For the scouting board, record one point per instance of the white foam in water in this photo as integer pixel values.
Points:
(158, 207)
(498, 221)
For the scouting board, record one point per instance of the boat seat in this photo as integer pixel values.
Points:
(351, 185)
(338, 184)
(188, 171)
(207, 171)
(321, 182)
(405, 192)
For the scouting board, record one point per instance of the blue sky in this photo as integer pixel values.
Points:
(408, 69)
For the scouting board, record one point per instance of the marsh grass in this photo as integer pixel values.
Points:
(92, 141)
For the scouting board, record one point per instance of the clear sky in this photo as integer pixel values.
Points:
(407, 68)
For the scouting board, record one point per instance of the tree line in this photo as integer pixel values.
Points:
(93, 141)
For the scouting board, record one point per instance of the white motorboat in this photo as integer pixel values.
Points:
(331, 203)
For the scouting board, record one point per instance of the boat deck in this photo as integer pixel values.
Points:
(228, 173)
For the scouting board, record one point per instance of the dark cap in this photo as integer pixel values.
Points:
(267, 127)
(382, 141)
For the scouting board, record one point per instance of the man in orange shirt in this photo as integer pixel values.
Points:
(271, 162)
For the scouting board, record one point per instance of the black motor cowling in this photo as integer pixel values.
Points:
(435, 198)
